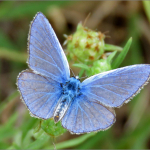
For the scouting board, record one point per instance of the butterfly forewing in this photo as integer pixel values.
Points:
(115, 87)
(46, 56)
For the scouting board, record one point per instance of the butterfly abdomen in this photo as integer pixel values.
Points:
(63, 104)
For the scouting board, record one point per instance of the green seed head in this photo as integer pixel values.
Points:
(99, 66)
(85, 45)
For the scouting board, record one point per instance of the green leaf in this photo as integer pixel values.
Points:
(14, 146)
(30, 123)
(52, 128)
(3, 145)
(83, 66)
(39, 143)
(7, 130)
(116, 63)
(147, 8)
(17, 140)
(8, 100)
(109, 47)
(27, 139)
(72, 142)
(81, 73)
(111, 56)
(100, 137)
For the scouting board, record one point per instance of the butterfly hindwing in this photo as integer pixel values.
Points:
(40, 94)
(85, 116)
(46, 55)
(115, 87)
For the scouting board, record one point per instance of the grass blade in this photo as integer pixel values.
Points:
(116, 63)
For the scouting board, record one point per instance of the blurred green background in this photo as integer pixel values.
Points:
(123, 19)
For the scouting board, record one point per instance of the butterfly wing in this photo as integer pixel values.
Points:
(115, 87)
(40, 94)
(46, 55)
(41, 88)
(86, 116)
(89, 111)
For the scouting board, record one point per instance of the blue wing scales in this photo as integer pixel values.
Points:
(40, 94)
(92, 111)
(115, 87)
(46, 55)
(85, 116)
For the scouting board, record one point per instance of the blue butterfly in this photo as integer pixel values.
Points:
(49, 92)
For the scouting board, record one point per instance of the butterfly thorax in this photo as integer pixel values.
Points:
(72, 87)
(70, 90)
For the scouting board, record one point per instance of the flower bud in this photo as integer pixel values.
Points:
(99, 66)
(85, 45)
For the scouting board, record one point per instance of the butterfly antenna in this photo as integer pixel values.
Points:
(72, 72)
(86, 19)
